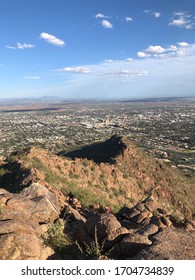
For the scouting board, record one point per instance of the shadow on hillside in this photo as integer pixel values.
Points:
(99, 152)
(12, 177)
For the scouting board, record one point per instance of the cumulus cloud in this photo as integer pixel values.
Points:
(172, 48)
(128, 19)
(157, 14)
(143, 55)
(183, 44)
(77, 70)
(162, 53)
(107, 24)
(154, 50)
(51, 39)
(158, 76)
(101, 16)
(31, 77)
(183, 20)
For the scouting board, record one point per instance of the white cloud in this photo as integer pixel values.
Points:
(181, 13)
(101, 16)
(129, 59)
(20, 46)
(154, 49)
(172, 51)
(10, 47)
(24, 46)
(183, 50)
(183, 20)
(157, 14)
(152, 13)
(32, 78)
(143, 55)
(108, 61)
(183, 44)
(107, 24)
(164, 74)
(77, 70)
(128, 19)
(127, 74)
(172, 48)
(151, 50)
(2, 65)
(52, 39)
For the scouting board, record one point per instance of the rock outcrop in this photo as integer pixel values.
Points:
(137, 232)
(23, 221)
(170, 244)
(141, 232)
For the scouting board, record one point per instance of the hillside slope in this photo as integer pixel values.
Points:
(116, 173)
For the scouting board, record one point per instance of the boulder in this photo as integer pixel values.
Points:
(170, 244)
(23, 246)
(73, 215)
(140, 206)
(149, 229)
(166, 221)
(102, 225)
(22, 222)
(130, 245)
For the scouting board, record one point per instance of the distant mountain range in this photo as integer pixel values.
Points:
(45, 99)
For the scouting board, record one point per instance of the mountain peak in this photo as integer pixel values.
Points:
(107, 151)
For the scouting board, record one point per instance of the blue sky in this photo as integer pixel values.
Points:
(97, 49)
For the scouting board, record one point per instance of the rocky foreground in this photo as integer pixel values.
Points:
(141, 232)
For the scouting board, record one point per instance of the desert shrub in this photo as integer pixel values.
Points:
(38, 164)
(3, 171)
(55, 237)
(93, 249)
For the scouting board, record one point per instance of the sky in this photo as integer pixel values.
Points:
(97, 49)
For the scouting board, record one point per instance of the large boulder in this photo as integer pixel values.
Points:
(102, 225)
(23, 221)
(170, 244)
(23, 246)
(130, 245)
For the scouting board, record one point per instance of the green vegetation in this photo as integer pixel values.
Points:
(118, 191)
(72, 175)
(3, 171)
(103, 179)
(55, 238)
(86, 195)
(94, 249)
(50, 177)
